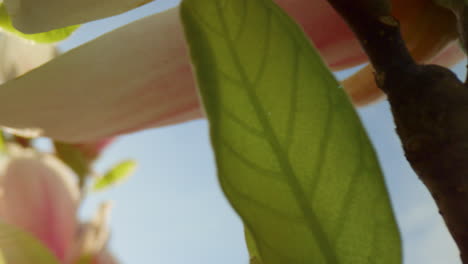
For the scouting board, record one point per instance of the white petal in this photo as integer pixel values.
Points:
(18, 56)
(135, 77)
(33, 16)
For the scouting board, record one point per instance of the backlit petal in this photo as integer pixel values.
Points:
(135, 77)
(34, 16)
(426, 27)
(450, 56)
(361, 87)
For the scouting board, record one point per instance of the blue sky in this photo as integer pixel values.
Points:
(172, 210)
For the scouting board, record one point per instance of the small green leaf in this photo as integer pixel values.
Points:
(19, 247)
(115, 175)
(292, 156)
(45, 37)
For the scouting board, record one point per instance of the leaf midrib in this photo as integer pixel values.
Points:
(285, 165)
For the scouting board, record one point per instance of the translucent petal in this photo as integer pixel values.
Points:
(135, 77)
(33, 16)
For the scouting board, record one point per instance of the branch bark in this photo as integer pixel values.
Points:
(430, 109)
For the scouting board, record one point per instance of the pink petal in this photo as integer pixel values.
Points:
(361, 87)
(39, 196)
(450, 56)
(327, 30)
(135, 77)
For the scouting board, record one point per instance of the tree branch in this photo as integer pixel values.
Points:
(430, 109)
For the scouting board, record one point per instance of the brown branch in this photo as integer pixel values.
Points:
(379, 35)
(430, 109)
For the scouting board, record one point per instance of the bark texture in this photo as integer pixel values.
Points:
(430, 109)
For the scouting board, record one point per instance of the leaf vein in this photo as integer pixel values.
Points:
(260, 204)
(266, 49)
(207, 25)
(293, 102)
(243, 21)
(251, 130)
(349, 197)
(323, 146)
(265, 172)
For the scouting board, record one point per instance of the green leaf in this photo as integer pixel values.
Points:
(45, 37)
(19, 247)
(115, 175)
(292, 156)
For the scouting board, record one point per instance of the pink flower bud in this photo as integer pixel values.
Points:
(40, 196)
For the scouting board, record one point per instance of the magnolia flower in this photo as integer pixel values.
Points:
(102, 88)
(19, 56)
(39, 195)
